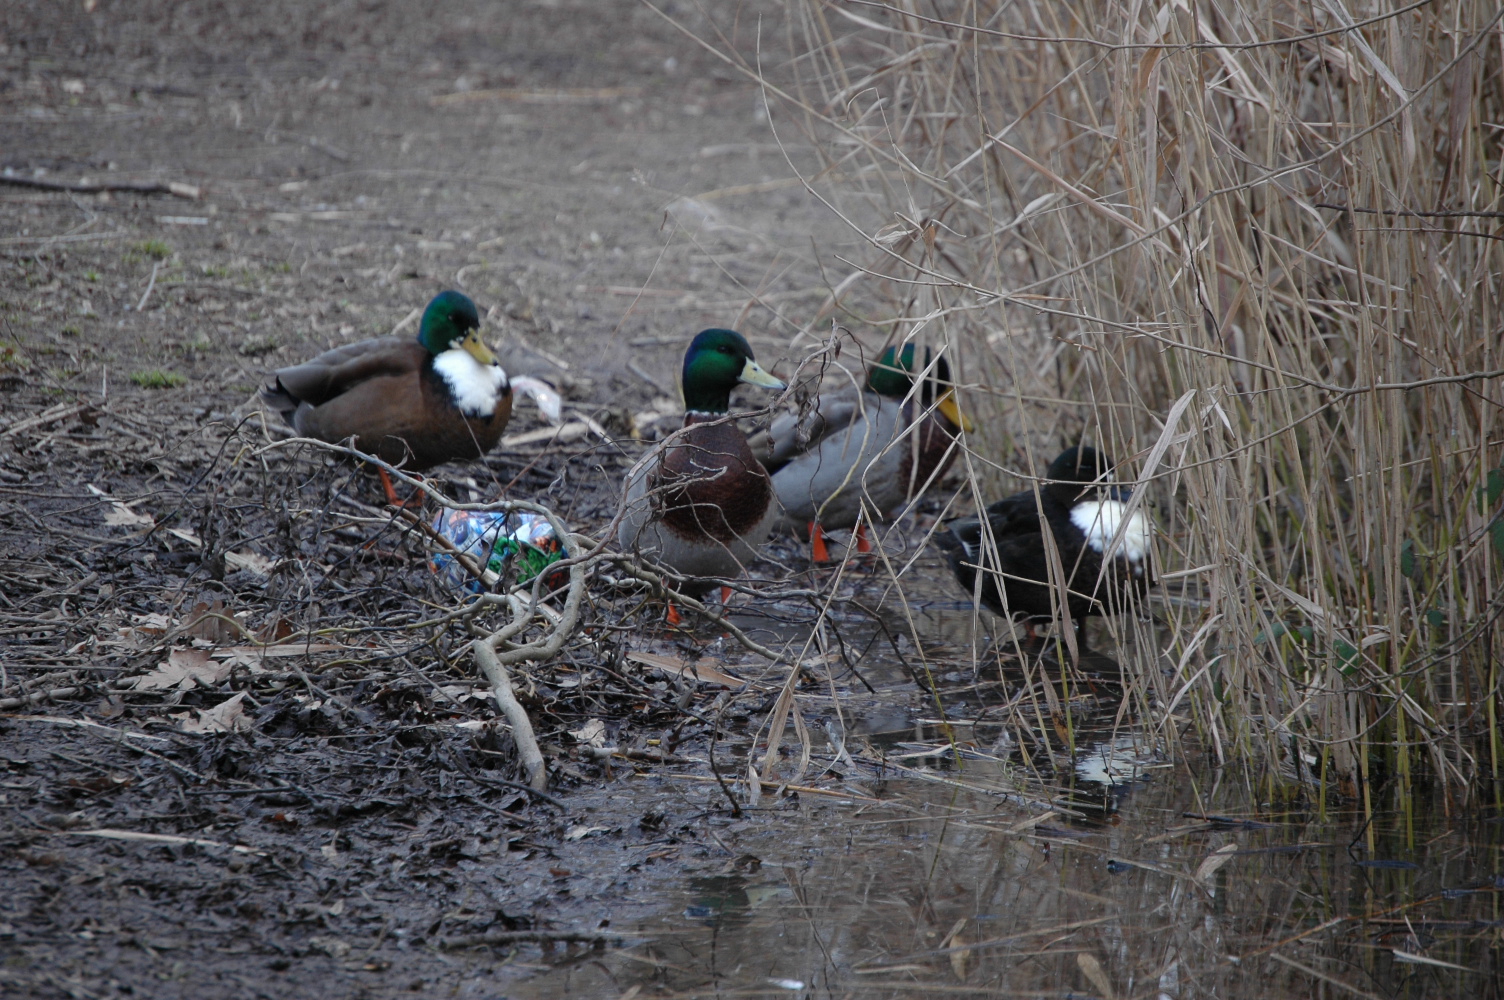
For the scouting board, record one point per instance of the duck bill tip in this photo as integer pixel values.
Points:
(947, 406)
(753, 374)
(477, 349)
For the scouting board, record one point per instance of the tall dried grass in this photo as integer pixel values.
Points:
(1253, 249)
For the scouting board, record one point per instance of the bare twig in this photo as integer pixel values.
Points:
(175, 188)
(520, 937)
(40, 696)
(516, 715)
(150, 284)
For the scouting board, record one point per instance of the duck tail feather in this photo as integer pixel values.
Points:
(961, 538)
(276, 398)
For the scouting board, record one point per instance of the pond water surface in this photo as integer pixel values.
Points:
(973, 860)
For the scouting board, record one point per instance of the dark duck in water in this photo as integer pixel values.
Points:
(1103, 548)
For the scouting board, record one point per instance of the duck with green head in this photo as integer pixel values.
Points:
(442, 397)
(872, 450)
(706, 503)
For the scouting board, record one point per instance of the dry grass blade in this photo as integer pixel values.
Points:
(1122, 231)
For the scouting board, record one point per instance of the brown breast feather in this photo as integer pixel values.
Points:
(710, 483)
(926, 449)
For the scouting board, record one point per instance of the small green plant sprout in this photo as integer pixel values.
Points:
(158, 379)
(1409, 566)
(1299, 642)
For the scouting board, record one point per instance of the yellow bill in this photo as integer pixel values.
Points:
(753, 374)
(947, 405)
(477, 348)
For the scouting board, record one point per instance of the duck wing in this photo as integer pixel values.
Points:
(793, 434)
(1013, 557)
(1012, 522)
(335, 372)
(860, 465)
(1015, 516)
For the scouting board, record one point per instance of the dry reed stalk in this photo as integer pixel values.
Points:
(1287, 213)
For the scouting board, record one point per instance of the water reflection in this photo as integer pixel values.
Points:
(1016, 853)
(1183, 890)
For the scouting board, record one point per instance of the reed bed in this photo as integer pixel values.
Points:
(1253, 249)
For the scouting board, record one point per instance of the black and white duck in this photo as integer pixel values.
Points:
(1104, 548)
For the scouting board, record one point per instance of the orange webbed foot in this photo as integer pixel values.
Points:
(416, 500)
(817, 551)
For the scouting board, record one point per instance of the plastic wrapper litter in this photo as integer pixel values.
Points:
(515, 547)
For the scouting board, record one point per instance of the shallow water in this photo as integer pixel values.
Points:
(937, 891)
(1002, 865)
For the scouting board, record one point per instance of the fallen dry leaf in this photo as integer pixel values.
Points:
(958, 958)
(1215, 860)
(253, 561)
(184, 669)
(209, 622)
(188, 536)
(703, 670)
(1093, 971)
(592, 733)
(226, 717)
(145, 630)
(580, 832)
(331, 946)
(276, 630)
(458, 693)
(120, 513)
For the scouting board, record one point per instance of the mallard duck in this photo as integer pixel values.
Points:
(414, 403)
(706, 503)
(865, 449)
(1083, 515)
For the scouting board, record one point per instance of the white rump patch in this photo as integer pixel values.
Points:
(1099, 520)
(474, 386)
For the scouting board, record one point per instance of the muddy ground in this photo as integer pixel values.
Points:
(361, 831)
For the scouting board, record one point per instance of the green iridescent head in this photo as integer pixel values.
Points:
(893, 377)
(451, 320)
(716, 361)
